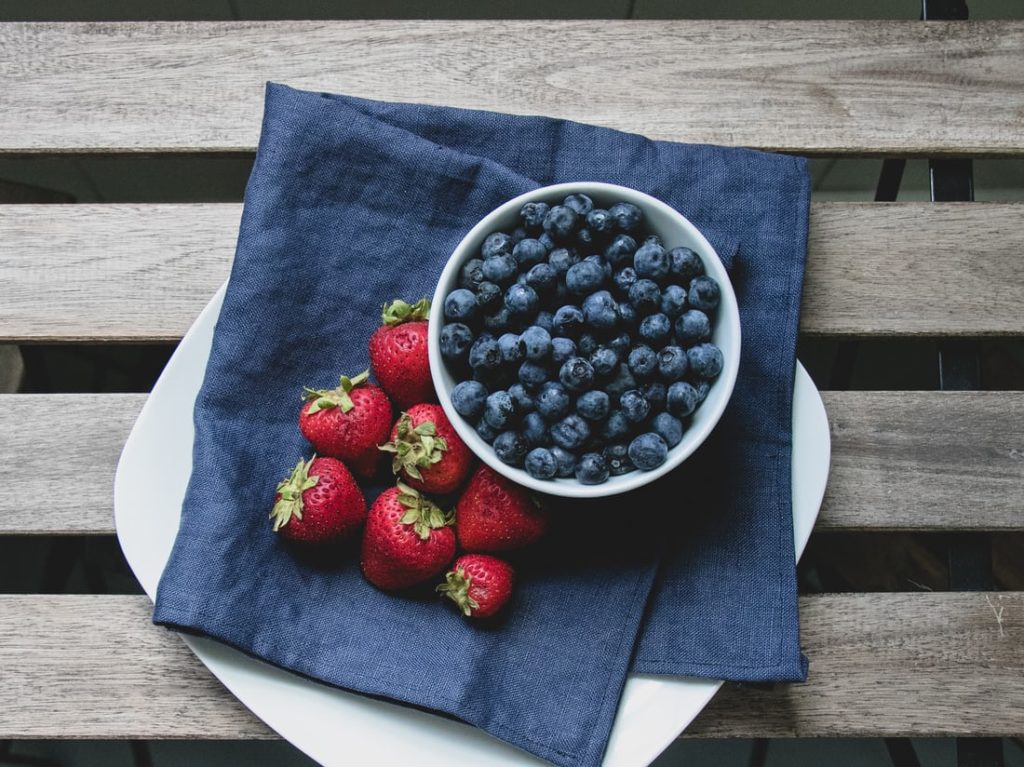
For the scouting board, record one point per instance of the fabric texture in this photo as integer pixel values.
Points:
(352, 203)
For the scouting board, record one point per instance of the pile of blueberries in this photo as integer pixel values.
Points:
(581, 365)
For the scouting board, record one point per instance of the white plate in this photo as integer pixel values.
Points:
(148, 491)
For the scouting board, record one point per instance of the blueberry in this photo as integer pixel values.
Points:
(593, 405)
(499, 409)
(562, 349)
(622, 381)
(606, 268)
(617, 457)
(536, 343)
(496, 244)
(586, 345)
(468, 399)
(624, 279)
(685, 264)
(553, 401)
(500, 269)
(600, 221)
(705, 360)
(521, 398)
(532, 374)
(692, 327)
(546, 320)
(704, 293)
(472, 274)
(455, 340)
(510, 448)
(499, 321)
(584, 277)
(518, 235)
(626, 315)
(653, 239)
(681, 400)
(561, 293)
(651, 261)
(485, 354)
(615, 428)
(532, 214)
(604, 359)
(560, 222)
(669, 428)
(561, 259)
(488, 296)
(673, 301)
(576, 374)
(621, 344)
(703, 387)
(585, 239)
(540, 464)
(547, 242)
(535, 430)
(645, 296)
(521, 300)
(568, 321)
(512, 348)
(672, 364)
(520, 279)
(486, 431)
(655, 329)
(620, 250)
(542, 277)
(634, 406)
(627, 215)
(529, 252)
(648, 451)
(565, 461)
(599, 310)
(592, 469)
(570, 433)
(643, 361)
(654, 392)
(580, 203)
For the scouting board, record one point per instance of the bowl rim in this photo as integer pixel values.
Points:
(570, 487)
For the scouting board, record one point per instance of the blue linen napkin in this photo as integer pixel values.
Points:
(354, 202)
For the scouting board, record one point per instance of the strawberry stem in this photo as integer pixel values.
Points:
(415, 447)
(399, 311)
(324, 399)
(422, 513)
(289, 494)
(456, 588)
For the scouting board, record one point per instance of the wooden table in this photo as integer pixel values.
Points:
(884, 664)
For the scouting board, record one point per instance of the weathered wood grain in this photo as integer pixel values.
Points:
(102, 273)
(881, 664)
(900, 461)
(809, 86)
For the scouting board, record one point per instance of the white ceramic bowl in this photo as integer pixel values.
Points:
(675, 230)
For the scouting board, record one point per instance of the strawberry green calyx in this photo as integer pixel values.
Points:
(456, 588)
(415, 447)
(324, 399)
(423, 514)
(399, 311)
(289, 502)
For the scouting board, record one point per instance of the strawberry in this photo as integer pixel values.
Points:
(407, 540)
(427, 453)
(319, 502)
(496, 514)
(479, 584)
(398, 353)
(348, 422)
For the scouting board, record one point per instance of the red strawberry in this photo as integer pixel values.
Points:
(479, 584)
(496, 514)
(319, 502)
(407, 540)
(398, 353)
(428, 454)
(348, 422)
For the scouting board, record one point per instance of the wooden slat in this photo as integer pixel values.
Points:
(810, 86)
(900, 461)
(102, 273)
(881, 664)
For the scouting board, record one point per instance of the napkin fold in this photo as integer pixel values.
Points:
(354, 202)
